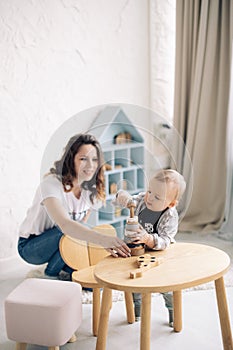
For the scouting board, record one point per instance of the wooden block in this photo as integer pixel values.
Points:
(144, 263)
(139, 250)
(145, 259)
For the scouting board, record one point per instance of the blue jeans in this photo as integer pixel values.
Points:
(42, 249)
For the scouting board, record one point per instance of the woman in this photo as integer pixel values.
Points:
(62, 205)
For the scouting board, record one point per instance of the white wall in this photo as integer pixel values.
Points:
(60, 57)
(162, 63)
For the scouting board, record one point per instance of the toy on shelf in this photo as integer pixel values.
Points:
(123, 137)
(117, 212)
(113, 188)
(118, 166)
(107, 167)
(144, 263)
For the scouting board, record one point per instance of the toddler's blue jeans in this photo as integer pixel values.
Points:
(137, 298)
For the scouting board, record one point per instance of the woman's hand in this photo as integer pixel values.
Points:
(116, 247)
(78, 230)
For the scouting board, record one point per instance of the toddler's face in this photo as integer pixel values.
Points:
(159, 195)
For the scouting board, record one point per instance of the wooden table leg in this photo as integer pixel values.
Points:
(73, 338)
(145, 322)
(223, 314)
(104, 317)
(21, 346)
(129, 307)
(177, 305)
(95, 311)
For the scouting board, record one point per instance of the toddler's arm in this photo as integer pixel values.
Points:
(167, 229)
(122, 198)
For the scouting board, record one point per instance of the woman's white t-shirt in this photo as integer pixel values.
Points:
(37, 219)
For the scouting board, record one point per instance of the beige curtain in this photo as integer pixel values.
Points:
(202, 80)
(226, 230)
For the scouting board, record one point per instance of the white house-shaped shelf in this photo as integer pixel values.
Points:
(113, 121)
(123, 149)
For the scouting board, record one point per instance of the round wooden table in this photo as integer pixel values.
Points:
(182, 265)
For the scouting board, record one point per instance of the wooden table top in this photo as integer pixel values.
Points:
(183, 265)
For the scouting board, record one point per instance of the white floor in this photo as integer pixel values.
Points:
(201, 327)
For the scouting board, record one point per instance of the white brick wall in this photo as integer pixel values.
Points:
(59, 57)
(162, 34)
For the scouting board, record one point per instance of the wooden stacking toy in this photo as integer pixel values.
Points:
(144, 263)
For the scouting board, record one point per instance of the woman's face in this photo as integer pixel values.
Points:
(86, 163)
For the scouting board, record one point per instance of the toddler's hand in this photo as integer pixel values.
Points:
(122, 199)
(141, 236)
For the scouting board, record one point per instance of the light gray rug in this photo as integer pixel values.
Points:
(228, 278)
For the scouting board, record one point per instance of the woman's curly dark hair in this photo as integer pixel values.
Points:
(65, 169)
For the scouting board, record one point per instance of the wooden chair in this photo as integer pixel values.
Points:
(83, 257)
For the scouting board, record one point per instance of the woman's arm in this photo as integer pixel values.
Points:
(78, 231)
(86, 217)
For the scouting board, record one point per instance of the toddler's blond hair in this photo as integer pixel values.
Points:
(171, 176)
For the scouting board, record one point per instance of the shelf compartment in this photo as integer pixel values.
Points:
(140, 179)
(107, 212)
(119, 228)
(121, 158)
(114, 183)
(109, 159)
(129, 178)
(137, 155)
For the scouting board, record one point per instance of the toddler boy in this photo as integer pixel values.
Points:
(158, 219)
